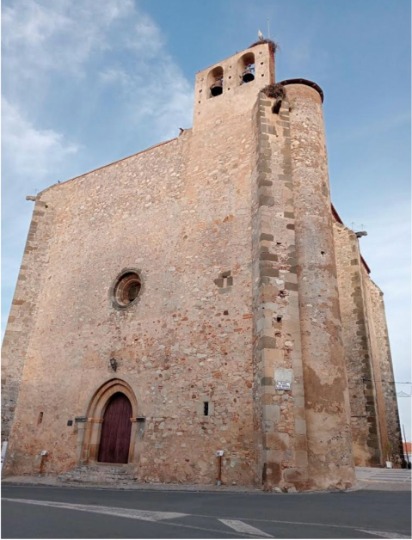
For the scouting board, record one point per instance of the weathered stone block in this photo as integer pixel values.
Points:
(266, 342)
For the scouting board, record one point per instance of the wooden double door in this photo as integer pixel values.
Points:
(116, 429)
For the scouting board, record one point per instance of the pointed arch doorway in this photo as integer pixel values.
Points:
(110, 432)
(116, 430)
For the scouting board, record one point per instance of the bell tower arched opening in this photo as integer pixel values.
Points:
(247, 68)
(215, 81)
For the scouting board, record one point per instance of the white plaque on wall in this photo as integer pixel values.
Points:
(283, 378)
(282, 385)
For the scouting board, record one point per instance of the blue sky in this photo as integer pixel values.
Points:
(86, 83)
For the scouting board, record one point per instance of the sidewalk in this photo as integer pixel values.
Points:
(383, 479)
(130, 485)
(367, 478)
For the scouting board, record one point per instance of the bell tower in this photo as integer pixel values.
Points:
(232, 85)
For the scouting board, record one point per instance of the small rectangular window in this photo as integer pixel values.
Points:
(206, 408)
(40, 418)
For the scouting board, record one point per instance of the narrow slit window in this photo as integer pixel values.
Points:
(206, 408)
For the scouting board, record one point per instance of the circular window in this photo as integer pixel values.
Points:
(127, 289)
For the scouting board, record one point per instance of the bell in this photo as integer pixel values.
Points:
(248, 76)
(217, 88)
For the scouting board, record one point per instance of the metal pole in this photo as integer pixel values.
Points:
(405, 453)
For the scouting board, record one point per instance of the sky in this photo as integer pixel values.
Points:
(86, 83)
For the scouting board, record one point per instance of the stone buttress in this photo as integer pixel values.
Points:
(300, 368)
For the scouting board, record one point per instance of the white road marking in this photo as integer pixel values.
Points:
(384, 534)
(145, 515)
(244, 528)
(133, 514)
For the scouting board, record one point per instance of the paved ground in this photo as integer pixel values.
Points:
(367, 478)
(383, 479)
(36, 511)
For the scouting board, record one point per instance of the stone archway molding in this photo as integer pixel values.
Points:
(89, 440)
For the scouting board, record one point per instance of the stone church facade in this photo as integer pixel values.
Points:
(203, 296)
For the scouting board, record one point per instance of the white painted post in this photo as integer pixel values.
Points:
(3, 453)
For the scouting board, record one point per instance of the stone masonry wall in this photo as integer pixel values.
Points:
(180, 214)
(357, 344)
(179, 220)
(20, 323)
(390, 432)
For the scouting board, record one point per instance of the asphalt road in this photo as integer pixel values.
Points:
(69, 512)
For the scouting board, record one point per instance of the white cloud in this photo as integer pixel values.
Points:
(115, 76)
(145, 38)
(49, 44)
(30, 152)
(31, 158)
(70, 70)
(166, 97)
(90, 46)
(57, 35)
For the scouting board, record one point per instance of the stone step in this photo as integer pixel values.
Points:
(98, 474)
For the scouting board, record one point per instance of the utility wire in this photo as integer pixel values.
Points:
(388, 382)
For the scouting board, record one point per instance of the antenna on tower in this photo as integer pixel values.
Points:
(268, 21)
